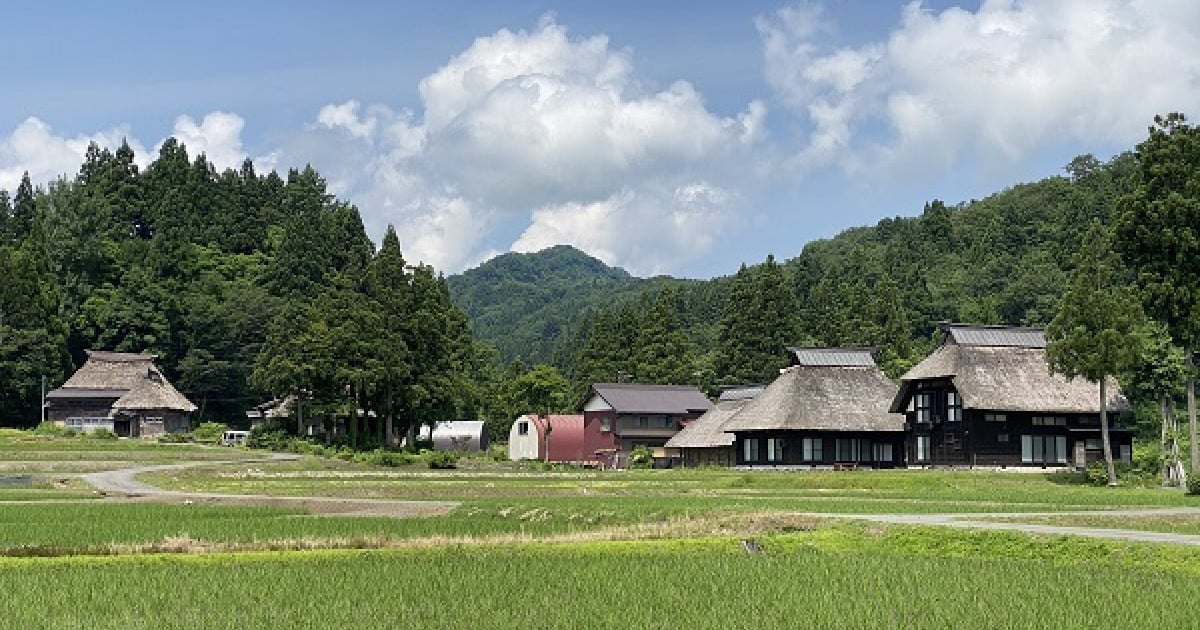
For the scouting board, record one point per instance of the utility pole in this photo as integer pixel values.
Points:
(43, 415)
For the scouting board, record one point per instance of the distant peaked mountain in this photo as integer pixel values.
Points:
(561, 262)
(525, 304)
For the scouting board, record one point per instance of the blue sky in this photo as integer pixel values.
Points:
(667, 137)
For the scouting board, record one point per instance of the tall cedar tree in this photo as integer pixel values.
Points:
(388, 283)
(1158, 233)
(1158, 376)
(24, 210)
(1096, 331)
(758, 323)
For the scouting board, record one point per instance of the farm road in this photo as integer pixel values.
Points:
(999, 521)
(122, 482)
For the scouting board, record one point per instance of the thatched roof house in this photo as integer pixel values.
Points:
(122, 392)
(986, 396)
(1003, 368)
(829, 407)
(703, 441)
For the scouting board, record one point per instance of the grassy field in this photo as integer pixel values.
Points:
(624, 549)
(859, 491)
(840, 577)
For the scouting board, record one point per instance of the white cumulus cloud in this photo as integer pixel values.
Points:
(34, 147)
(218, 136)
(537, 131)
(998, 83)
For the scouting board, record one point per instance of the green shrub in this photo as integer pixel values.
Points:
(209, 432)
(270, 439)
(102, 434)
(1193, 484)
(641, 457)
(175, 438)
(498, 452)
(49, 429)
(442, 460)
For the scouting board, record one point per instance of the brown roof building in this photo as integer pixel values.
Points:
(122, 392)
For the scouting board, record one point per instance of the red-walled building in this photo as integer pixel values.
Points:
(620, 416)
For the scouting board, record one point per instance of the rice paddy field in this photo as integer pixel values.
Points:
(577, 549)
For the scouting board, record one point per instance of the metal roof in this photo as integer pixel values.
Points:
(643, 398)
(86, 392)
(997, 336)
(740, 393)
(832, 357)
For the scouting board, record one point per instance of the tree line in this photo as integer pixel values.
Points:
(247, 287)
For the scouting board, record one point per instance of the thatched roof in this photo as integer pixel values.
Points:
(822, 397)
(708, 431)
(997, 369)
(134, 376)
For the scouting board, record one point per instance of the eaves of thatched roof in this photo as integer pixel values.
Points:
(708, 431)
(153, 393)
(822, 398)
(1007, 378)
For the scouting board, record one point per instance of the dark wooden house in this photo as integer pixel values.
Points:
(828, 409)
(704, 442)
(122, 392)
(986, 397)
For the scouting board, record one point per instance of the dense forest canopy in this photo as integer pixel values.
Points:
(246, 286)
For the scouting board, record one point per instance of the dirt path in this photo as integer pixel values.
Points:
(122, 483)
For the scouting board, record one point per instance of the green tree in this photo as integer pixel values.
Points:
(1095, 333)
(1159, 375)
(1158, 233)
(24, 212)
(757, 323)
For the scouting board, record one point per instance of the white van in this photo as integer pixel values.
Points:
(234, 438)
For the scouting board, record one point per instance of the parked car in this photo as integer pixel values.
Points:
(234, 438)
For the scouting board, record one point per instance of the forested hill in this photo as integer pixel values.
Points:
(531, 307)
(1002, 259)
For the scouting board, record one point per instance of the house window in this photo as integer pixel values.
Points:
(1126, 453)
(995, 417)
(953, 407)
(847, 450)
(643, 422)
(669, 422)
(523, 428)
(605, 425)
(924, 406)
(774, 449)
(1049, 421)
(812, 449)
(1002, 438)
(1094, 444)
(750, 450)
(882, 451)
(922, 448)
(1044, 449)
